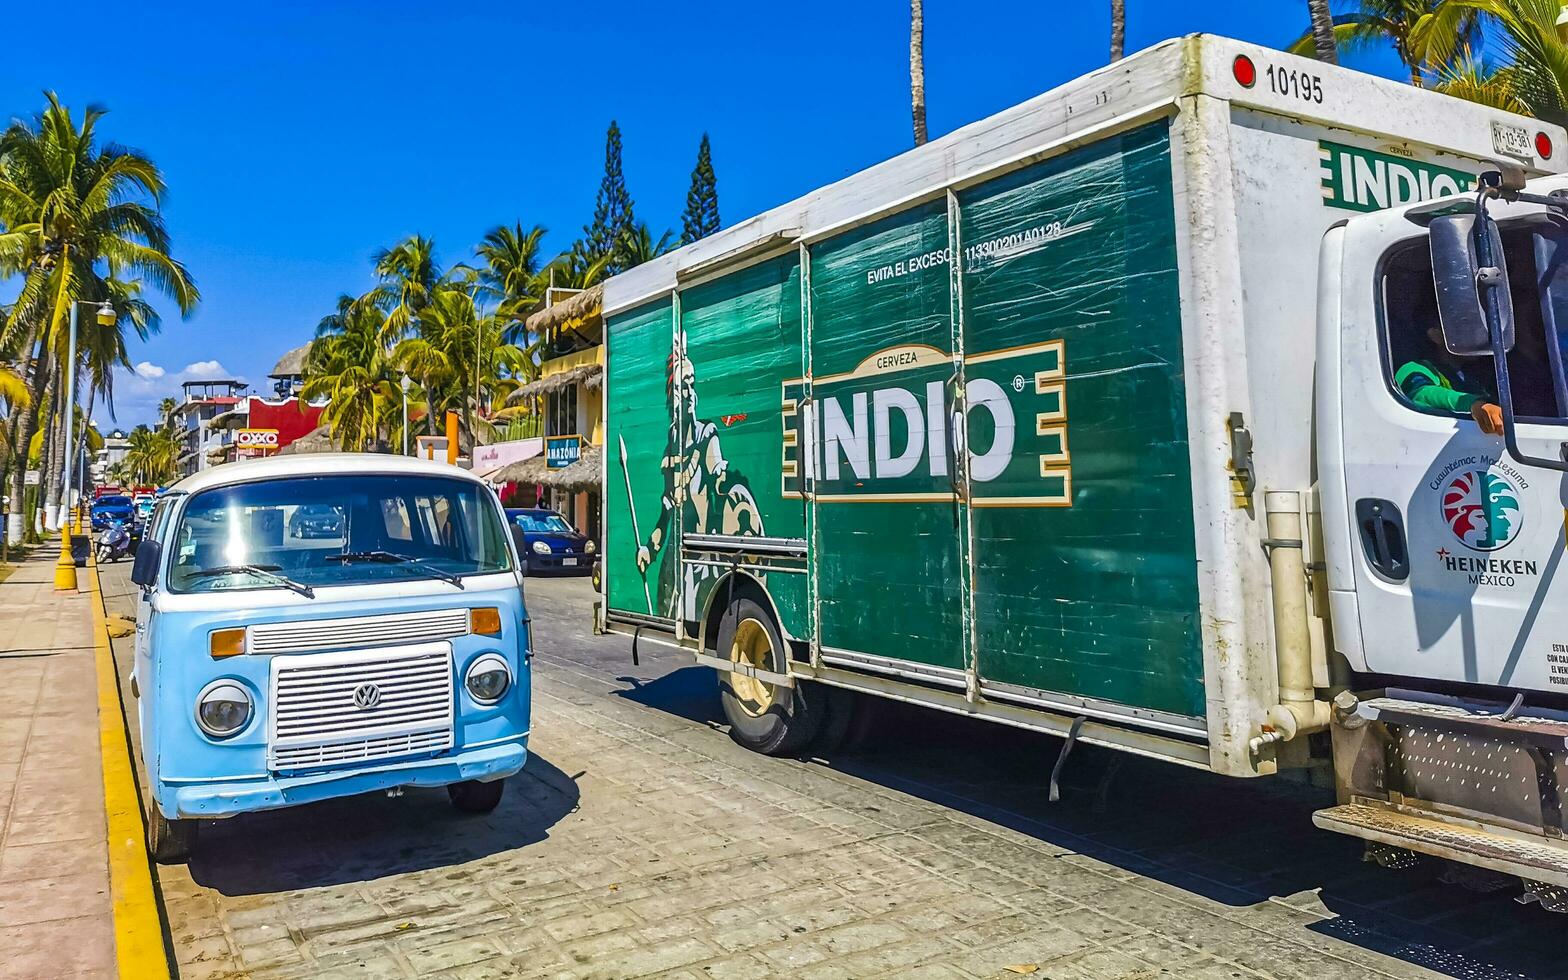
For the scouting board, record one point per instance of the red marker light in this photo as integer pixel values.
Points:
(1543, 146)
(1245, 71)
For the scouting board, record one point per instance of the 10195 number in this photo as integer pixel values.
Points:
(1297, 84)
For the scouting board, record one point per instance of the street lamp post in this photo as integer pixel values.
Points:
(405, 384)
(65, 568)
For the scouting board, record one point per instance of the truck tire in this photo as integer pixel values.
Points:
(763, 717)
(472, 796)
(169, 841)
(838, 707)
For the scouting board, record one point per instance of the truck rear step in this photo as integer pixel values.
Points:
(1537, 859)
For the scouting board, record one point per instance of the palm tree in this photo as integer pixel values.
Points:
(75, 215)
(917, 68)
(348, 365)
(1118, 28)
(1425, 34)
(1535, 81)
(510, 275)
(1324, 44)
(150, 456)
(409, 273)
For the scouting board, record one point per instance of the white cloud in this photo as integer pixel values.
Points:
(149, 370)
(204, 369)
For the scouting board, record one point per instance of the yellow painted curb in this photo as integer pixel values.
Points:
(138, 927)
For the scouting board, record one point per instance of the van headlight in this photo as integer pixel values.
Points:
(222, 708)
(541, 548)
(488, 679)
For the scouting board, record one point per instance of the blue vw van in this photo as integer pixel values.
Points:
(273, 670)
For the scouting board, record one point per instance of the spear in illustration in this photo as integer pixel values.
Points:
(631, 505)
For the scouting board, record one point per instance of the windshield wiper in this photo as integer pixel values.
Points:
(269, 572)
(392, 558)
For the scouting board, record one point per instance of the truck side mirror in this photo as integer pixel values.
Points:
(1457, 274)
(144, 572)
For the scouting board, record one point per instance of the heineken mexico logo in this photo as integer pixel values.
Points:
(1482, 509)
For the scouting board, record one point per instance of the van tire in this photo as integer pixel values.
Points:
(169, 841)
(764, 718)
(472, 796)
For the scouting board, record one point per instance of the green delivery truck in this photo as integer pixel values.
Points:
(1096, 417)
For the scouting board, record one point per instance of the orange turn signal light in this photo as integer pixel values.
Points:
(227, 643)
(485, 620)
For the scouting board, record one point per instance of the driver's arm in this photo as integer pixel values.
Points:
(1416, 383)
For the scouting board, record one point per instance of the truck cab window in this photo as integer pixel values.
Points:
(1423, 374)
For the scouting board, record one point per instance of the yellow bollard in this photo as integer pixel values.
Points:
(65, 568)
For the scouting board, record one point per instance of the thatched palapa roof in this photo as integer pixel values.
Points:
(591, 376)
(292, 363)
(571, 311)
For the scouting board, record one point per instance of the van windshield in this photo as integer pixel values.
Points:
(335, 530)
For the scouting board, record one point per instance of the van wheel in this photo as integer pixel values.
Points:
(472, 796)
(169, 841)
(763, 717)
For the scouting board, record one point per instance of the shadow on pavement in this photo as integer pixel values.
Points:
(1239, 842)
(362, 838)
(689, 692)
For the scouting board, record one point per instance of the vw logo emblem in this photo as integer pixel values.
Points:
(367, 696)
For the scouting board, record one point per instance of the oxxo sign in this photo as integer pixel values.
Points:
(256, 438)
(889, 429)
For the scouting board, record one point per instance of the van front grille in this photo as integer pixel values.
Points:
(334, 708)
(358, 631)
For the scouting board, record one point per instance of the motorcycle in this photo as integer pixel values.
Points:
(114, 543)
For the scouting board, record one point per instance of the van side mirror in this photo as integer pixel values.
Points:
(144, 572)
(1457, 274)
(520, 540)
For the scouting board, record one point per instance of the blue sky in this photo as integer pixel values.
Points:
(297, 138)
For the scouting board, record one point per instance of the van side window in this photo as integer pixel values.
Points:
(1416, 363)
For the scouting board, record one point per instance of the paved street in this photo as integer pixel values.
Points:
(640, 840)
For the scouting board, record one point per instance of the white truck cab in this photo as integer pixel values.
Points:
(1444, 543)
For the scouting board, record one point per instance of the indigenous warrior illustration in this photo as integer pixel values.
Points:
(710, 498)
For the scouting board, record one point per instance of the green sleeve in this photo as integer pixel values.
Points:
(1424, 391)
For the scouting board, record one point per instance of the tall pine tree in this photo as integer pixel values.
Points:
(702, 201)
(612, 209)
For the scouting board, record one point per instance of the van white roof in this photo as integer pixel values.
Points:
(317, 464)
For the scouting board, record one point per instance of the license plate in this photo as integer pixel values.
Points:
(1511, 140)
(568, 561)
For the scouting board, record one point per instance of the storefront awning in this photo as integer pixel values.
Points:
(579, 476)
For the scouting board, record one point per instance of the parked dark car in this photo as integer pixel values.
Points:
(115, 507)
(316, 521)
(551, 543)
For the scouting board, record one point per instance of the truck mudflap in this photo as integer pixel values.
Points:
(1475, 782)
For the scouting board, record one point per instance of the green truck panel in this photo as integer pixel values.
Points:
(1099, 598)
(888, 576)
(1070, 514)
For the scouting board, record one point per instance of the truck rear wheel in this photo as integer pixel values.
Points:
(763, 716)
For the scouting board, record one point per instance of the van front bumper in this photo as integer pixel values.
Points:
(209, 800)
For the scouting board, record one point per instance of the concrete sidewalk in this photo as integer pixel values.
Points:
(56, 914)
